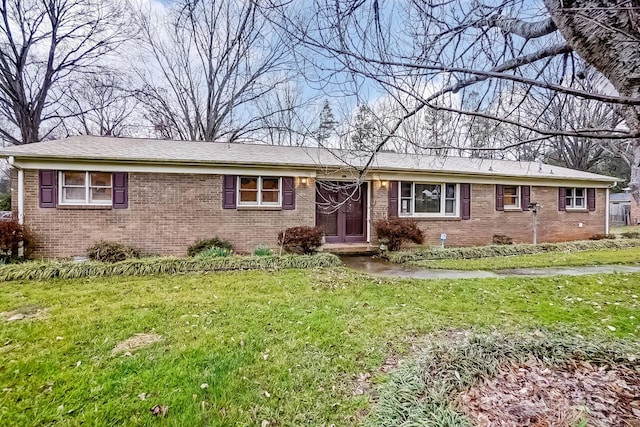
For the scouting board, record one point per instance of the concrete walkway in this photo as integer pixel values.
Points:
(382, 267)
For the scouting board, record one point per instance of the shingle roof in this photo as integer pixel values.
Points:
(218, 153)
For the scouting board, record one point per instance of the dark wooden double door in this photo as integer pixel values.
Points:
(341, 211)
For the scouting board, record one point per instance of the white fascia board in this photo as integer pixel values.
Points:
(107, 166)
(484, 179)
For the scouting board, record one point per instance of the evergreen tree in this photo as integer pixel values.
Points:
(327, 123)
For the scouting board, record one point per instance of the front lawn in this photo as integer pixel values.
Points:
(258, 348)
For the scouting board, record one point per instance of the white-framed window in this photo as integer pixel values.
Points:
(429, 199)
(85, 188)
(259, 191)
(511, 196)
(576, 198)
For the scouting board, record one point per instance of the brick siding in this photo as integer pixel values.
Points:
(552, 225)
(168, 212)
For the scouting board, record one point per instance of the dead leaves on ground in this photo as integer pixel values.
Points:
(535, 395)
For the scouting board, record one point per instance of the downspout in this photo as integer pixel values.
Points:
(606, 204)
(20, 190)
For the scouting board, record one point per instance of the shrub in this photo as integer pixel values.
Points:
(262, 251)
(204, 244)
(501, 239)
(300, 240)
(112, 252)
(394, 232)
(44, 270)
(602, 236)
(215, 251)
(631, 234)
(11, 234)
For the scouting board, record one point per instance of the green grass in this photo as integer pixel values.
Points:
(285, 347)
(556, 259)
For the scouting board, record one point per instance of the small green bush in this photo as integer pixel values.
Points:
(602, 236)
(45, 270)
(262, 251)
(112, 252)
(394, 232)
(204, 244)
(11, 234)
(631, 234)
(215, 251)
(300, 240)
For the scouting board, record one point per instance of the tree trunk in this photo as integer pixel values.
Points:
(606, 35)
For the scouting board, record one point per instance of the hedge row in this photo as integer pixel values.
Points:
(507, 250)
(42, 270)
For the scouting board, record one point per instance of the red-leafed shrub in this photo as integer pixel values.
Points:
(300, 240)
(11, 234)
(394, 232)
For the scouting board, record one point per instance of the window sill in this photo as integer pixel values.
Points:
(430, 218)
(259, 208)
(576, 209)
(506, 209)
(85, 207)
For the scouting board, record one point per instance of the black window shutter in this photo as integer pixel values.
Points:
(48, 188)
(465, 191)
(120, 195)
(525, 197)
(562, 199)
(288, 193)
(393, 200)
(591, 199)
(499, 197)
(229, 191)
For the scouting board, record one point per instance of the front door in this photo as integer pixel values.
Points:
(341, 211)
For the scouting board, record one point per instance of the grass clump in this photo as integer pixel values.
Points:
(112, 252)
(215, 251)
(262, 251)
(205, 244)
(631, 234)
(507, 250)
(44, 270)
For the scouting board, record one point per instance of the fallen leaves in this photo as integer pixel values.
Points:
(536, 395)
(136, 342)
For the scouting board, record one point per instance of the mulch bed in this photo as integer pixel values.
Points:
(541, 396)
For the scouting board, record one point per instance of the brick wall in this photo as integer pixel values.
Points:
(553, 225)
(167, 212)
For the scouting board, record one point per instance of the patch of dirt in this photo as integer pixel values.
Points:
(28, 312)
(136, 342)
(540, 396)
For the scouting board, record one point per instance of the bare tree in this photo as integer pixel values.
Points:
(492, 48)
(99, 104)
(44, 44)
(209, 61)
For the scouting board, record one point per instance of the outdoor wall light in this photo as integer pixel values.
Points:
(303, 181)
(384, 184)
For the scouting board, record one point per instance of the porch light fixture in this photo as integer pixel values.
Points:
(384, 184)
(303, 181)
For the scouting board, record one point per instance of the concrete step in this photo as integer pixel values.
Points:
(350, 248)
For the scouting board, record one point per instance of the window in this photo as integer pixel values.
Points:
(259, 191)
(511, 197)
(575, 198)
(85, 188)
(428, 199)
